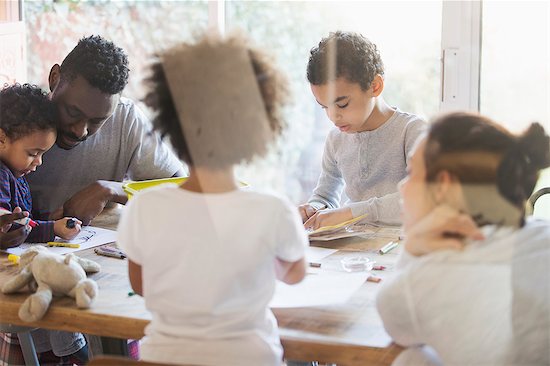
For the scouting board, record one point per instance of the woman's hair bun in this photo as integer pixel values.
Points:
(534, 144)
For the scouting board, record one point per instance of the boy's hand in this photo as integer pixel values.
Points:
(443, 228)
(62, 230)
(328, 217)
(9, 239)
(306, 211)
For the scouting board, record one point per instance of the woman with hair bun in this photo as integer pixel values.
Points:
(473, 281)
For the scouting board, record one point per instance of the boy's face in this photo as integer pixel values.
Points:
(346, 104)
(23, 155)
(83, 109)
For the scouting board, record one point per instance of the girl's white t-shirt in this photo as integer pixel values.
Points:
(208, 272)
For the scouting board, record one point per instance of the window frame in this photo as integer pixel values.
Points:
(460, 51)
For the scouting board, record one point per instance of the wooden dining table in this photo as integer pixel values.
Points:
(351, 333)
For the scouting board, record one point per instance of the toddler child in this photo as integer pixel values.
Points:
(27, 131)
(366, 154)
(205, 255)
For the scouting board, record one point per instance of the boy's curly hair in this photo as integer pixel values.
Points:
(100, 62)
(25, 109)
(354, 57)
(272, 84)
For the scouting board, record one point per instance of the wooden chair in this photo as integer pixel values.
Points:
(533, 199)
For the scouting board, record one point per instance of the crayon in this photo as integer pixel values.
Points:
(65, 245)
(374, 279)
(109, 252)
(13, 258)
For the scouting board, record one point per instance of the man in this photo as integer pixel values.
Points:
(102, 139)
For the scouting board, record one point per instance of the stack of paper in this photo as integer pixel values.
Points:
(342, 230)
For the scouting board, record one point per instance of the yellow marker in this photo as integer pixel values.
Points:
(65, 245)
(13, 258)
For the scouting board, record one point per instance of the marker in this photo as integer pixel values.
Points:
(315, 265)
(109, 252)
(70, 223)
(65, 245)
(386, 248)
(24, 221)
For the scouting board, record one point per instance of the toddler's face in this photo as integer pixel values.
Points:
(346, 104)
(23, 155)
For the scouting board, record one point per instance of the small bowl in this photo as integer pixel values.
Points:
(357, 264)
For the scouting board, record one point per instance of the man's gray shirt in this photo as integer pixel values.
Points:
(123, 148)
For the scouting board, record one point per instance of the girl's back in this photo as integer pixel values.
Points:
(208, 272)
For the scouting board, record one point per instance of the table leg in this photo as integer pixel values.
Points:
(114, 346)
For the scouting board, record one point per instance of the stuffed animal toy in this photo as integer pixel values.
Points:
(49, 274)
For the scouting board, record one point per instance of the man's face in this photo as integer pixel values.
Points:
(82, 108)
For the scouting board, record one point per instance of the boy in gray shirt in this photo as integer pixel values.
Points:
(367, 152)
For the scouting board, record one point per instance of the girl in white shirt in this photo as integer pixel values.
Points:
(472, 286)
(205, 255)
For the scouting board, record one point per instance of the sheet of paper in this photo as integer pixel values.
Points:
(314, 254)
(318, 289)
(88, 237)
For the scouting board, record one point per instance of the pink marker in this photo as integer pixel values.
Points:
(24, 221)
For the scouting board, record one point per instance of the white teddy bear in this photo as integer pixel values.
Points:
(49, 274)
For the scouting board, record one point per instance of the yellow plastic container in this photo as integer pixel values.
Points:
(132, 188)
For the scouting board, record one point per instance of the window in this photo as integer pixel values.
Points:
(515, 71)
(139, 27)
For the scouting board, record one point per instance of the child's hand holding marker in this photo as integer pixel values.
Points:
(67, 227)
(25, 220)
(13, 238)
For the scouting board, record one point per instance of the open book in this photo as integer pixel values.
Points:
(342, 230)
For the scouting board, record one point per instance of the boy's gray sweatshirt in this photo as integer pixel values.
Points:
(368, 165)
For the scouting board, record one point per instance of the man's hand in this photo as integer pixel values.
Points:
(13, 238)
(89, 202)
(443, 228)
(328, 217)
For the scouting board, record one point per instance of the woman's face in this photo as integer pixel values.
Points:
(416, 199)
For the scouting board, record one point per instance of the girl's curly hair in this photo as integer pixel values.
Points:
(272, 84)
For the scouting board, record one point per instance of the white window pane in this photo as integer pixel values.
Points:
(515, 61)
